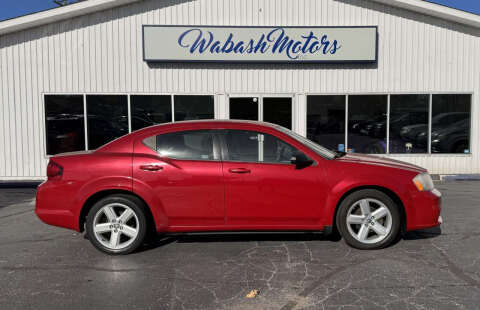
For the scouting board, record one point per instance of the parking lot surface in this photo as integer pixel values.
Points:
(43, 267)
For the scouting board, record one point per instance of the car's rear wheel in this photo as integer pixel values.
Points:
(117, 224)
(368, 219)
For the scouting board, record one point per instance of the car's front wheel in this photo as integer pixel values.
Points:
(117, 224)
(368, 219)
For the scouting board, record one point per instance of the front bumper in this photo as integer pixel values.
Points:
(427, 206)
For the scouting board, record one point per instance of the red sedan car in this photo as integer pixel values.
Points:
(202, 176)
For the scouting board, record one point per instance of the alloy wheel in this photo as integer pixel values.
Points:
(369, 221)
(116, 226)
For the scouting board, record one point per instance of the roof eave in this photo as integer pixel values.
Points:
(58, 14)
(91, 6)
(436, 10)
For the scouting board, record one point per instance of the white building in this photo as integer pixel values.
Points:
(75, 77)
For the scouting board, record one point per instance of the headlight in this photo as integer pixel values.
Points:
(423, 182)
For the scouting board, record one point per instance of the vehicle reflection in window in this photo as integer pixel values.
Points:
(450, 124)
(148, 110)
(367, 115)
(107, 119)
(65, 123)
(408, 118)
(326, 121)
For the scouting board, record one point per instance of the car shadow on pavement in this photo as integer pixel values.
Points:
(234, 237)
(423, 234)
(160, 241)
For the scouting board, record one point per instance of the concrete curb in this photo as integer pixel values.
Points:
(19, 184)
(460, 177)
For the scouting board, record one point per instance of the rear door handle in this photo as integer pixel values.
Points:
(239, 170)
(151, 167)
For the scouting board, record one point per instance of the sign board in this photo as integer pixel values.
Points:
(259, 44)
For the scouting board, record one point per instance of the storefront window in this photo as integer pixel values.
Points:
(193, 107)
(148, 110)
(278, 111)
(326, 121)
(367, 117)
(245, 108)
(107, 119)
(451, 123)
(408, 124)
(65, 123)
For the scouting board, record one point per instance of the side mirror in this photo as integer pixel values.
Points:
(301, 161)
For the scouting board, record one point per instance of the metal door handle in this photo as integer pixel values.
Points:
(239, 170)
(151, 167)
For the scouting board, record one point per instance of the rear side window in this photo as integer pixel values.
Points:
(251, 146)
(187, 145)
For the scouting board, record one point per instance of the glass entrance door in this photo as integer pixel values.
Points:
(245, 108)
(278, 110)
(272, 109)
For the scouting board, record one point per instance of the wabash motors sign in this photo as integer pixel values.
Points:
(259, 44)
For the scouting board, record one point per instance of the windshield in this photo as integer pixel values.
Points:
(320, 150)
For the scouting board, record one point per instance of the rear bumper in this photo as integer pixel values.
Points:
(427, 206)
(52, 208)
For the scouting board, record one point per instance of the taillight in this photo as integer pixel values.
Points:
(54, 170)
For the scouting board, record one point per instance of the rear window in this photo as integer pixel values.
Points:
(187, 145)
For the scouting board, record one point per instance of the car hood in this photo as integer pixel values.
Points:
(379, 161)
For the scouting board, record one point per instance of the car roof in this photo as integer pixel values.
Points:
(205, 122)
(123, 142)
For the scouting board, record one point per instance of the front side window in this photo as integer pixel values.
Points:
(65, 123)
(186, 145)
(251, 146)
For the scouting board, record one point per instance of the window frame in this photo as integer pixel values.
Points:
(400, 155)
(129, 116)
(299, 123)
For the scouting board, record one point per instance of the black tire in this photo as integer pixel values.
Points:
(134, 204)
(341, 220)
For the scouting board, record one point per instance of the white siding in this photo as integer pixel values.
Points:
(102, 53)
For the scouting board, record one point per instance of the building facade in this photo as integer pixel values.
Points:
(74, 78)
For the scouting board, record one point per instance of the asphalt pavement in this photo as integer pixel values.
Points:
(44, 267)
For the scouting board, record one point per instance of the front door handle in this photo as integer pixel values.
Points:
(239, 170)
(151, 167)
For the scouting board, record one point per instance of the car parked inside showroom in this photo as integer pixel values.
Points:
(217, 175)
